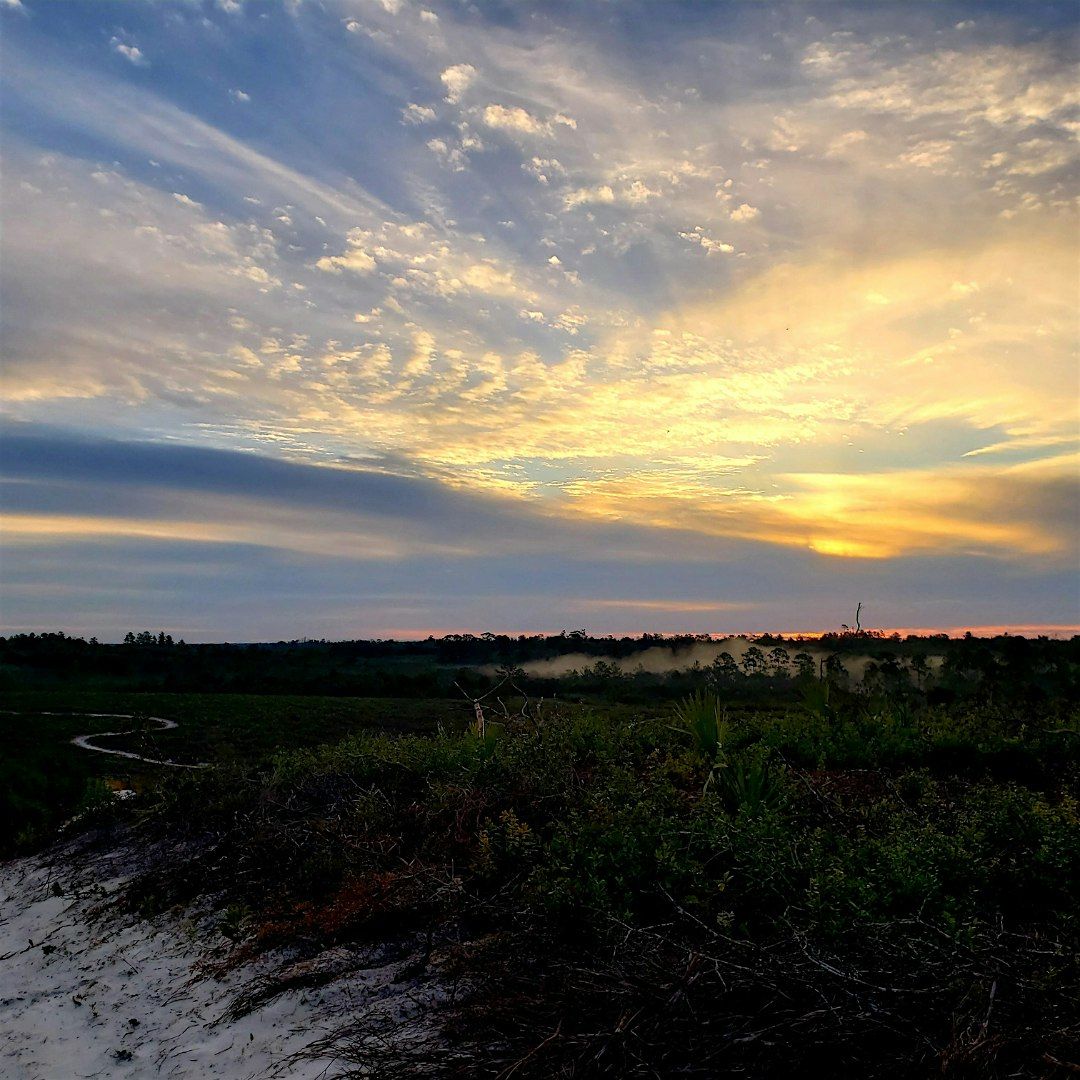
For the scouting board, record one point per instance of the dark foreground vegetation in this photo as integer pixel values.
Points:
(758, 874)
(44, 780)
(837, 890)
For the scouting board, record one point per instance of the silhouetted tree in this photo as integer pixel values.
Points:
(753, 661)
(723, 670)
(778, 660)
(834, 668)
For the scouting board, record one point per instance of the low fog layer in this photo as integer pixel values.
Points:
(658, 659)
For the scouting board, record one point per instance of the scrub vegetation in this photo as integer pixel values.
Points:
(774, 870)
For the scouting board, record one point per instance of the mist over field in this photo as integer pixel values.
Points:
(658, 659)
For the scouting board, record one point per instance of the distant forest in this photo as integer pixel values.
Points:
(941, 668)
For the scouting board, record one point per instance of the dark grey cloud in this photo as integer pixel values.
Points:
(527, 572)
(50, 471)
(27, 452)
(240, 592)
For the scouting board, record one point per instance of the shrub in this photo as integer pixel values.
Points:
(853, 884)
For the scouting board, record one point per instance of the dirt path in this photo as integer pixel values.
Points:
(84, 741)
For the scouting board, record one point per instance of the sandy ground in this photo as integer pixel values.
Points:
(88, 992)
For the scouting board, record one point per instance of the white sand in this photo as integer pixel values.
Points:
(86, 992)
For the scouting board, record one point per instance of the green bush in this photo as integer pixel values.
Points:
(856, 880)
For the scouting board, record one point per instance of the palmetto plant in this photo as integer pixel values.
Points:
(750, 786)
(704, 719)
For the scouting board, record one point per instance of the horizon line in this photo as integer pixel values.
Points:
(1054, 631)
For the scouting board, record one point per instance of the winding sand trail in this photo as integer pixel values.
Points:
(84, 741)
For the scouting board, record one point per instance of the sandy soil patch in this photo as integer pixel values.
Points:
(87, 991)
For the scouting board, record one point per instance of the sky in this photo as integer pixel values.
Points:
(347, 318)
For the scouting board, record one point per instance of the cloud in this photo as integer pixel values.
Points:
(321, 300)
(519, 121)
(183, 493)
(420, 260)
(1016, 513)
(601, 193)
(145, 126)
(1001, 85)
(131, 53)
(544, 169)
(417, 114)
(1034, 157)
(453, 157)
(67, 482)
(842, 143)
(638, 192)
(488, 277)
(512, 119)
(929, 154)
(457, 79)
(242, 546)
(355, 259)
(707, 243)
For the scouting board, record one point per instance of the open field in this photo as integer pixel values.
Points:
(864, 864)
(45, 779)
